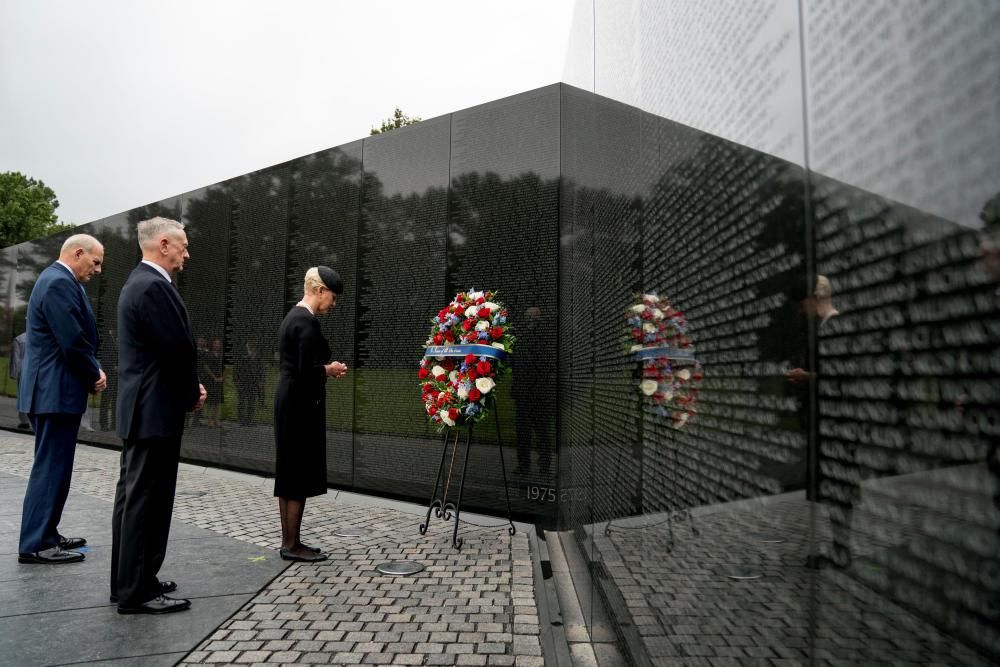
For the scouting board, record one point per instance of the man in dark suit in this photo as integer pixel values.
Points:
(60, 368)
(157, 385)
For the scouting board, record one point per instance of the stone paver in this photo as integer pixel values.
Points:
(342, 611)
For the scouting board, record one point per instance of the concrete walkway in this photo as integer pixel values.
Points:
(470, 607)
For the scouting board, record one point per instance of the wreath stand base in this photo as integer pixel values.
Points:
(444, 508)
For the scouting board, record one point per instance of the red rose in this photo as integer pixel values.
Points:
(460, 298)
(438, 339)
(475, 394)
(480, 301)
(441, 378)
(428, 387)
(483, 367)
(496, 333)
(423, 373)
(468, 324)
(472, 373)
(470, 359)
(449, 336)
(432, 411)
(453, 414)
(484, 313)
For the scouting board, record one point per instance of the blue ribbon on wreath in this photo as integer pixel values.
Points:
(462, 350)
(672, 353)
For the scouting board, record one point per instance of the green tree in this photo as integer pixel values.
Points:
(399, 119)
(27, 209)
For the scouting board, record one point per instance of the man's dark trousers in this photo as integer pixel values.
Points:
(144, 502)
(49, 481)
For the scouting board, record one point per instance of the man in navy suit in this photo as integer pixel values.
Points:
(60, 369)
(157, 385)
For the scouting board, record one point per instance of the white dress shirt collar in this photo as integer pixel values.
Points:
(68, 268)
(162, 271)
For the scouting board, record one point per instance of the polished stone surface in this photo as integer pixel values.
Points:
(219, 574)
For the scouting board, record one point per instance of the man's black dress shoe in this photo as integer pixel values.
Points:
(165, 587)
(72, 542)
(288, 555)
(51, 556)
(161, 604)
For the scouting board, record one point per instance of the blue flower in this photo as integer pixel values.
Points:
(484, 335)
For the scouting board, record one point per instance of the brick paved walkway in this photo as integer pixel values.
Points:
(470, 607)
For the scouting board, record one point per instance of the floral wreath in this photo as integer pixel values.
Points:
(467, 350)
(671, 375)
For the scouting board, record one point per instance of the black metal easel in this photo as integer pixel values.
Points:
(442, 507)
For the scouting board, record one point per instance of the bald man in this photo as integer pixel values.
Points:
(60, 369)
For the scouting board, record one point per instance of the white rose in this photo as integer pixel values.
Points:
(636, 347)
(684, 374)
(475, 295)
(437, 370)
(492, 306)
(463, 391)
(498, 346)
(638, 308)
(668, 394)
(484, 385)
(446, 419)
(657, 314)
(483, 325)
(648, 327)
(650, 297)
(453, 376)
(472, 312)
(648, 387)
(680, 421)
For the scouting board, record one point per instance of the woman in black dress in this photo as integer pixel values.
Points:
(300, 408)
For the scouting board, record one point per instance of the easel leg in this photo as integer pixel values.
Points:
(456, 541)
(437, 483)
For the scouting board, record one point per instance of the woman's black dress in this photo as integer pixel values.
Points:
(300, 407)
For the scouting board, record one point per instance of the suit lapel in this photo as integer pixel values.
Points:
(175, 294)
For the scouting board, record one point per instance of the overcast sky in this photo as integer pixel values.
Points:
(117, 103)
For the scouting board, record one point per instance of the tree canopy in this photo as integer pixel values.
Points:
(27, 209)
(399, 119)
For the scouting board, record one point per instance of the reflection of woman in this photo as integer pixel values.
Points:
(213, 370)
(300, 408)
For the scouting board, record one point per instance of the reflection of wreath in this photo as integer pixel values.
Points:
(671, 375)
(467, 350)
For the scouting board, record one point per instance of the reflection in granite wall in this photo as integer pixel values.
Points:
(502, 235)
(322, 229)
(908, 409)
(655, 207)
(407, 218)
(400, 284)
(848, 332)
